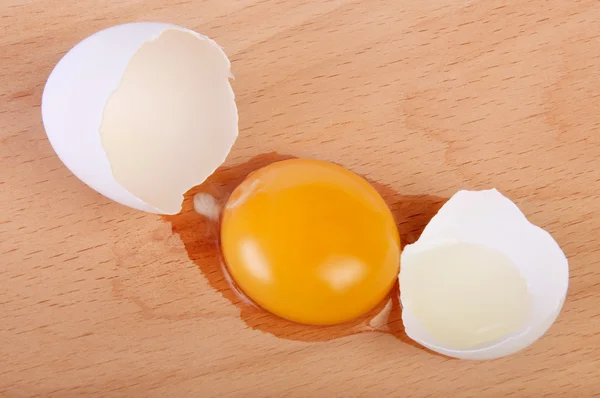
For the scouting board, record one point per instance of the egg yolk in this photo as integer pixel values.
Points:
(310, 242)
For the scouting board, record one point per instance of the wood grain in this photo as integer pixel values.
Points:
(425, 97)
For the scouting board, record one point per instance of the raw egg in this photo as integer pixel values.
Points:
(310, 242)
(481, 282)
(142, 112)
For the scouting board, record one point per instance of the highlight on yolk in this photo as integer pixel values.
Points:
(310, 242)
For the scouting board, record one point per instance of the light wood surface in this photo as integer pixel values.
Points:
(424, 97)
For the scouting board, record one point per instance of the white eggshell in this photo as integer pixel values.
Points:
(490, 219)
(75, 97)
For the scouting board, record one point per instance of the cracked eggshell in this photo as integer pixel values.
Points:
(490, 219)
(142, 112)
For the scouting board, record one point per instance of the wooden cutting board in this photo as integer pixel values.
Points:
(421, 97)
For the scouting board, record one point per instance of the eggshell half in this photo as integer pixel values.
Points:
(490, 219)
(148, 160)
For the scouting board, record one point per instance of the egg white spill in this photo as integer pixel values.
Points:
(481, 282)
(142, 112)
(206, 205)
(381, 320)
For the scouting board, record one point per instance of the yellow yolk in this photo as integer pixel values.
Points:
(310, 241)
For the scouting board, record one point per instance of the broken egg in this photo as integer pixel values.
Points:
(481, 282)
(142, 112)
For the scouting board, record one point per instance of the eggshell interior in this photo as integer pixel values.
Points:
(488, 218)
(106, 68)
(172, 120)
